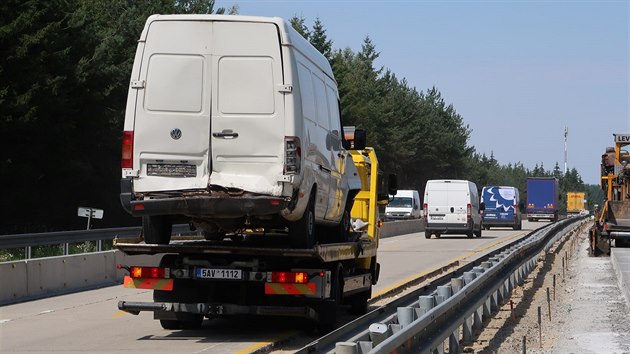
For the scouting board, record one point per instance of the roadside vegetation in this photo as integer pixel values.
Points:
(64, 76)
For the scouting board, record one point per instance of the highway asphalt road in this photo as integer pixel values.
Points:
(89, 321)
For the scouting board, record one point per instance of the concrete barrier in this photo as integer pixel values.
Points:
(401, 227)
(43, 277)
(620, 258)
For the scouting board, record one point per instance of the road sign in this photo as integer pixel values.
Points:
(85, 212)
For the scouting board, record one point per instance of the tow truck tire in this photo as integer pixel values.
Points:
(194, 323)
(359, 303)
(302, 232)
(157, 229)
(327, 310)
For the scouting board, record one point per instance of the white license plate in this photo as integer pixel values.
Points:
(433, 217)
(209, 273)
(171, 170)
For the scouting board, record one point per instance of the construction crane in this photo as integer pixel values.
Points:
(612, 222)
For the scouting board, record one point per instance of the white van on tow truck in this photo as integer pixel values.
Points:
(232, 123)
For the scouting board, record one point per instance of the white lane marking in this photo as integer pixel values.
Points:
(5, 321)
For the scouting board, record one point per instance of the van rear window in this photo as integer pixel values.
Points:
(246, 85)
(166, 71)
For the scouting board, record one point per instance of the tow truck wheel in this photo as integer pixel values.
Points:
(194, 323)
(359, 303)
(157, 229)
(327, 310)
(302, 232)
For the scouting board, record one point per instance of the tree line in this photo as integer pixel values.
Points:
(64, 76)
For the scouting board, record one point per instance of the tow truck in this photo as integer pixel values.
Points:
(255, 273)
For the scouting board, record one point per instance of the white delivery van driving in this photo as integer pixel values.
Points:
(452, 207)
(232, 122)
(404, 205)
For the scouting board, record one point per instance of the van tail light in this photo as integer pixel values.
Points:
(426, 209)
(515, 216)
(127, 149)
(469, 211)
(292, 155)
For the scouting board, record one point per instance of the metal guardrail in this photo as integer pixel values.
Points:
(67, 237)
(452, 310)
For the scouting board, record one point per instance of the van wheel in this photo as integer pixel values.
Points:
(470, 234)
(486, 227)
(302, 232)
(518, 227)
(427, 234)
(157, 229)
(478, 233)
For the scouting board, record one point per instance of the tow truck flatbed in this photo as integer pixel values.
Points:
(361, 248)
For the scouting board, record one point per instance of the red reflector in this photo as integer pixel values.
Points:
(127, 149)
(275, 202)
(147, 272)
(138, 207)
(289, 277)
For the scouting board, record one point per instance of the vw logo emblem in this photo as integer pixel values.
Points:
(176, 133)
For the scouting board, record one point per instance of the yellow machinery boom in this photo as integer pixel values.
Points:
(612, 222)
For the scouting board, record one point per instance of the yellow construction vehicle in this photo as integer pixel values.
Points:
(612, 222)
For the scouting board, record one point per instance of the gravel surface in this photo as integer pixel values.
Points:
(588, 315)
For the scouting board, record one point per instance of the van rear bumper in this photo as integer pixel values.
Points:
(445, 228)
(211, 204)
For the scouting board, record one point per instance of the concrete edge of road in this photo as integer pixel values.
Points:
(620, 258)
(44, 277)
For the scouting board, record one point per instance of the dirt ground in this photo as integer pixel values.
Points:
(588, 313)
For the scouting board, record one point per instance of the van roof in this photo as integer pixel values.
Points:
(288, 35)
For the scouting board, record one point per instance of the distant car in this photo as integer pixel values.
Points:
(502, 207)
(404, 205)
(452, 207)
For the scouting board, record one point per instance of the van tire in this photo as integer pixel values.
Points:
(470, 234)
(478, 233)
(518, 227)
(302, 232)
(157, 229)
(427, 234)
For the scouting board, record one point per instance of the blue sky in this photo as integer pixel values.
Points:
(518, 72)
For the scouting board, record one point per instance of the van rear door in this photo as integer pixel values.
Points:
(172, 115)
(211, 112)
(248, 125)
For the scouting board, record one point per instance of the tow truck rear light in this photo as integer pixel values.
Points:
(127, 149)
(289, 277)
(148, 272)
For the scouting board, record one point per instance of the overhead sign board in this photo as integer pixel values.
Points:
(90, 213)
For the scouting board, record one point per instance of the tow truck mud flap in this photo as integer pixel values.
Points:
(167, 310)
